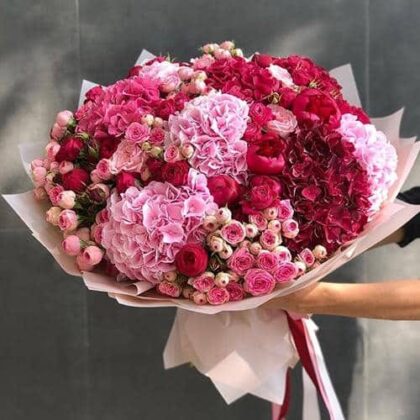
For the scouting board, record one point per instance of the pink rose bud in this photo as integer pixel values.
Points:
(65, 167)
(227, 45)
(290, 228)
(221, 54)
(237, 52)
(210, 224)
(209, 48)
(197, 87)
(187, 150)
(52, 215)
(170, 276)
(258, 220)
(63, 118)
(169, 289)
(271, 213)
(66, 199)
(301, 267)
(92, 255)
(204, 282)
(54, 167)
(57, 131)
(226, 252)
(38, 176)
(285, 210)
(283, 253)
(172, 154)
(40, 193)
(71, 245)
(157, 122)
(222, 279)
(102, 216)
(233, 232)
(187, 292)
(217, 244)
(307, 257)
(199, 298)
(83, 264)
(223, 215)
(68, 220)
(52, 149)
(269, 239)
(83, 234)
(200, 75)
(103, 169)
(54, 194)
(233, 276)
(274, 225)
(185, 73)
(217, 296)
(96, 232)
(37, 163)
(251, 230)
(147, 119)
(245, 244)
(255, 248)
(98, 192)
(320, 252)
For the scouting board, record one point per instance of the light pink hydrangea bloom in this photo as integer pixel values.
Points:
(214, 126)
(375, 154)
(147, 227)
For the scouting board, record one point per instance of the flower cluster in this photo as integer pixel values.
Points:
(214, 180)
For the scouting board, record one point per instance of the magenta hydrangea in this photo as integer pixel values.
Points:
(214, 126)
(147, 227)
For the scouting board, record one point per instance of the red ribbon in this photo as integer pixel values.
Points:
(297, 330)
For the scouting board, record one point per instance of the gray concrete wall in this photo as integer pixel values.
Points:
(66, 353)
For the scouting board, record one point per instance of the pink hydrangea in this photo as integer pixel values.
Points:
(214, 126)
(147, 227)
(374, 153)
(128, 157)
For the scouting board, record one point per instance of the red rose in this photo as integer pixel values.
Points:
(75, 180)
(263, 60)
(165, 108)
(124, 180)
(155, 168)
(224, 189)
(253, 132)
(107, 147)
(265, 157)
(176, 173)
(314, 108)
(69, 149)
(191, 260)
(260, 113)
(287, 96)
(134, 71)
(263, 193)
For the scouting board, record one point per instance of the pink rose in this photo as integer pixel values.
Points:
(283, 254)
(98, 192)
(54, 194)
(52, 215)
(267, 261)
(57, 131)
(307, 257)
(83, 234)
(233, 232)
(285, 210)
(37, 163)
(217, 296)
(236, 292)
(290, 228)
(66, 199)
(185, 73)
(204, 282)
(172, 153)
(67, 220)
(269, 239)
(169, 289)
(202, 63)
(40, 193)
(71, 245)
(65, 167)
(259, 221)
(83, 264)
(128, 157)
(284, 123)
(199, 298)
(285, 272)
(64, 118)
(241, 261)
(92, 255)
(258, 282)
(137, 132)
(38, 176)
(103, 169)
(96, 233)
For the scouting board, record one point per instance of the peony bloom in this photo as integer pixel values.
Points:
(214, 126)
(265, 157)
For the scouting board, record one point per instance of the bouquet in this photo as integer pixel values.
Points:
(215, 185)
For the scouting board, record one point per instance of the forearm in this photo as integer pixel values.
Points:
(395, 300)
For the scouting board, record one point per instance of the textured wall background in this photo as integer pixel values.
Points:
(69, 354)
